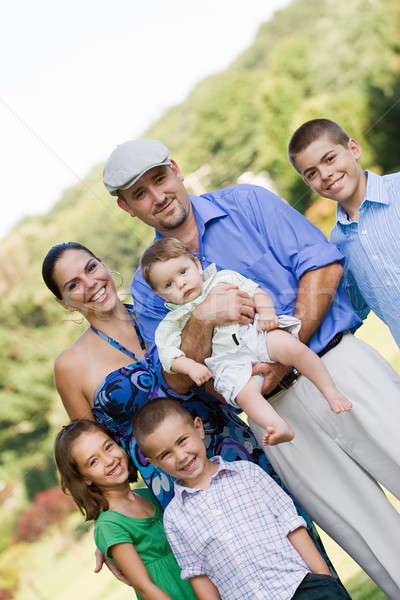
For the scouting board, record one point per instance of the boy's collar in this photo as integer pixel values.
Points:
(181, 491)
(375, 192)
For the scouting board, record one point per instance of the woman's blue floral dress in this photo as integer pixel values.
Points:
(124, 391)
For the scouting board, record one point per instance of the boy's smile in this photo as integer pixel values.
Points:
(332, 171)
(176, 446)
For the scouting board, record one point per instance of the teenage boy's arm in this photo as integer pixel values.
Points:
(204, 588)
(304, 545)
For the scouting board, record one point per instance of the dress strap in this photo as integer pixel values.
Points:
(131, 311)
(116, 344)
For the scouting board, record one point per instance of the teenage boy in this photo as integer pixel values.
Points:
(367, 228)
(227, 521)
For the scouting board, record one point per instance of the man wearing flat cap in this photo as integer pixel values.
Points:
(334, 461)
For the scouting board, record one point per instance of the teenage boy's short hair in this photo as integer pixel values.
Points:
(152, 414)
(160, 251)
(311, 131)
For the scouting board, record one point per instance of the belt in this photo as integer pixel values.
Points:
(288, 380)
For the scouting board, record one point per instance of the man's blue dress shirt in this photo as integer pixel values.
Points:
(250, 230)
(372, 251)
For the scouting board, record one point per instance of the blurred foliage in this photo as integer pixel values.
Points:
(40, 477)
(49, 507)
(315, 58)
(330, 58)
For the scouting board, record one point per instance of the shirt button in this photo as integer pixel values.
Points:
(374, 257)
(364, 232)
(388, 283)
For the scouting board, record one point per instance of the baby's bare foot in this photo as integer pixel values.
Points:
(277, 435)
(339, 403)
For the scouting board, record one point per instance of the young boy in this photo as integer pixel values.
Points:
(229, 523)
(367, 228)
(176, 275)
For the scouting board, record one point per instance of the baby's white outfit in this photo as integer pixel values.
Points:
(235, 348)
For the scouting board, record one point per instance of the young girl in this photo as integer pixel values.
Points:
(96, 472)
(176, 275)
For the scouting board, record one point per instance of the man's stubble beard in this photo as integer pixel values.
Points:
(180, 219)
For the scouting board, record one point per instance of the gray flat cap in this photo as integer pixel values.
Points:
(130, 160)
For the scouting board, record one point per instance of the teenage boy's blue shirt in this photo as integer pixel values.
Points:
(248, 229)
(372, 250)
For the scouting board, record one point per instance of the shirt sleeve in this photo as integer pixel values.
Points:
(278, 501)
(356, 298)
(297, 244)
(190, 563)
(107, 533)
(168, 340)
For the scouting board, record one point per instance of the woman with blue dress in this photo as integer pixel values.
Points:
(107, 374)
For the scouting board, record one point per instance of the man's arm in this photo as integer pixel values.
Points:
(316, 292)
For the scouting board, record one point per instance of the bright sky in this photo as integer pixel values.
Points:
(80, 76)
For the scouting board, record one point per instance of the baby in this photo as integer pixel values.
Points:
(176, 275)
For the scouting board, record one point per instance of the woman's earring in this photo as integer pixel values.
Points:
(118, 284)
(75, 317)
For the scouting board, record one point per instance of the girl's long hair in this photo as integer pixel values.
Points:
(89, 498)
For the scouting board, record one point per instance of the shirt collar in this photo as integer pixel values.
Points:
(375, 192)
(181, 491)
(205, 210)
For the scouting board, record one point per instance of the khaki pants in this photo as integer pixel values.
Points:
(334, 461)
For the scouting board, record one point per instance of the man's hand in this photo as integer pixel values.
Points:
(272, 374)
(226, 304)
(101, 559)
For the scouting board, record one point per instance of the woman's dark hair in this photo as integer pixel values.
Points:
(89, 498)
(51, 259)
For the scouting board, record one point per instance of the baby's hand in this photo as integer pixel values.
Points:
(200, 374)
(267, 322)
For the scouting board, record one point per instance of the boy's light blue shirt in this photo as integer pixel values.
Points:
(372, 250)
